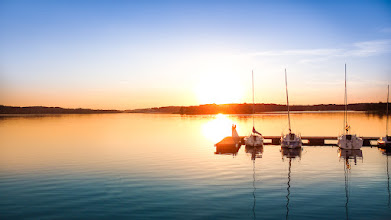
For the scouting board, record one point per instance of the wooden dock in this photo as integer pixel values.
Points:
(229, 141)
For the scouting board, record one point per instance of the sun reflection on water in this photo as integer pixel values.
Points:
(217, 128)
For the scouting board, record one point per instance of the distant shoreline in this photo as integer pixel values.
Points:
(208, 109)
(40, 110)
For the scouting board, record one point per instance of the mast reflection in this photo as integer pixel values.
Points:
(255, 152)
(348, 155)
(254, 203)
(290, 153)
(387, 153)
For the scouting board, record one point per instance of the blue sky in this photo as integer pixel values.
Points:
(135, 54)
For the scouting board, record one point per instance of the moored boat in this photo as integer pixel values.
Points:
(255, 139)
(386, 141)
(290, 140)
(346, 140)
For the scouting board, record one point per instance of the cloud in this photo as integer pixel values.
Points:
(358, 49)
(304, 52)
(369, 48)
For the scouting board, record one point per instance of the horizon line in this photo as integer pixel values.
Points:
(244, 103)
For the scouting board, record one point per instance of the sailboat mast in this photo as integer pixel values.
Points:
(287, 101)
(346, 107)
(252, 75)
(388, 96)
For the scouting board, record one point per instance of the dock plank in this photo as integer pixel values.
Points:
(307, 141)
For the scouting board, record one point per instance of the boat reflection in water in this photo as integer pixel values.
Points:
(290, 153)
(255, 152)
(347, 156)
(387, 152)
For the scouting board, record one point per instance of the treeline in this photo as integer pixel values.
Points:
(50, 110)
(166, 109)
(259, 108)
(373, 108)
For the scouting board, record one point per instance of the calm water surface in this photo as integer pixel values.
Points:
(144, 166)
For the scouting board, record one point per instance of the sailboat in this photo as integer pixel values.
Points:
(290, 140)
(386, 141)
(348, 141)
(255, 139)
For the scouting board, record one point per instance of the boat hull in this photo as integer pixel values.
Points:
(291, 141)
(349, 142)
(253, 141)
(384, 142)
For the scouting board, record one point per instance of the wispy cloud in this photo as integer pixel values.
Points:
(369, 48)
(358, 49)
(304, 52)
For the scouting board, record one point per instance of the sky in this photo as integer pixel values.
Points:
(140, 54)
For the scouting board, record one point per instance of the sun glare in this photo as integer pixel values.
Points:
(217, 128)
(219, 91)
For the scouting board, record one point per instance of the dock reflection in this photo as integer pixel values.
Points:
(290, 153)
(347, 156)
(231, 149)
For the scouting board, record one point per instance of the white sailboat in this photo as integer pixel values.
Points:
(348, 141)
(255, 139)
(290, 140)
(386, 141)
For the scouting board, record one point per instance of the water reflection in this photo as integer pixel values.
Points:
(217, 128)
(231, 149)
(290, 153)
(388, 184)
(348, 155)
(387, 153)
(91, 162)
(254, 203)
(255, 152)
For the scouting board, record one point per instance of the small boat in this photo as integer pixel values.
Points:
(385, 141)
(255, 139)
(290, 140)
(348, 141)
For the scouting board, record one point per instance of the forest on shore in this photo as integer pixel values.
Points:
(245, 108)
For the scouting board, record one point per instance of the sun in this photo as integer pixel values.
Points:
(219, 91)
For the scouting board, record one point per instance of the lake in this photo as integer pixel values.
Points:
(156, 166)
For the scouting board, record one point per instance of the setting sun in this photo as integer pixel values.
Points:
(219, 91)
